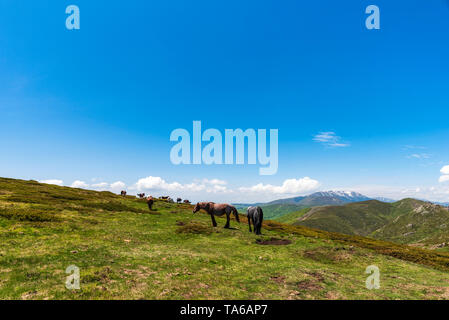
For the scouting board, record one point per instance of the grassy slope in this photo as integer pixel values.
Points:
(292, 216)
(124, 252)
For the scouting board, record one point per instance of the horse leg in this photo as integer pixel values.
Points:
(254, 224)
(214, 223)
(249, 223)
(236, 214)
(227, 221)
(259, 226)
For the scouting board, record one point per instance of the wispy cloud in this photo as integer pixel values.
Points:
(420, 156)
(413, 147)
(53, 181)
(330, 139)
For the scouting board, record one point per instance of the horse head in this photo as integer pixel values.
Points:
(202, 205)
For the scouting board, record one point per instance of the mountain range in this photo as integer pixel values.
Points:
(408, 221)
(278, 208)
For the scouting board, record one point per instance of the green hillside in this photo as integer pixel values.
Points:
(360, 218)
(274, 211)
(124, 251)
(292, 216)
(417, 222)
(405, 221)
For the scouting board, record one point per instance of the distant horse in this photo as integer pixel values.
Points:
(150, 202)
(141, 195)
(178, 200)
(123, 193)
(186, 201)
(255, 214)
(217, 209)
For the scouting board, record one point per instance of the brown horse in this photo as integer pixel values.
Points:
(217, 209)
(150, 202)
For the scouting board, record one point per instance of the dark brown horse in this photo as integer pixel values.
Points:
(150, 202)
(123, 193)
(217, 209)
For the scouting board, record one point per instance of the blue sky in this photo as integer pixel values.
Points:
(97, 105)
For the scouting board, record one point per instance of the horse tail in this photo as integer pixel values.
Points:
(236, 214)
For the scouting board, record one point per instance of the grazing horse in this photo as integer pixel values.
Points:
(123, 193)
(150, 202)
(186, 201)
(217, 209)
(255, 214)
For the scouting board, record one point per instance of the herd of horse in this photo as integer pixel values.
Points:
(254, 214)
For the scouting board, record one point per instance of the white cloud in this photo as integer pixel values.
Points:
(102, 186)
(289, 186)
(117, 186)
(53, 181)
(330, 139)
(445, 170)
(113, 187)
(214, 182)
(79, 184)
(156, 183)
(444, 174)
(151, 183)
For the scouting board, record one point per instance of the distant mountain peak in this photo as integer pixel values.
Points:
(346, 194)
(322, 198)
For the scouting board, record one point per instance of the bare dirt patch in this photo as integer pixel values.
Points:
(309, 285)
(328, 254)
(274, 242)
(194, 228)
(278, 279)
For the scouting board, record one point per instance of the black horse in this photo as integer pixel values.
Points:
(255, 214)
